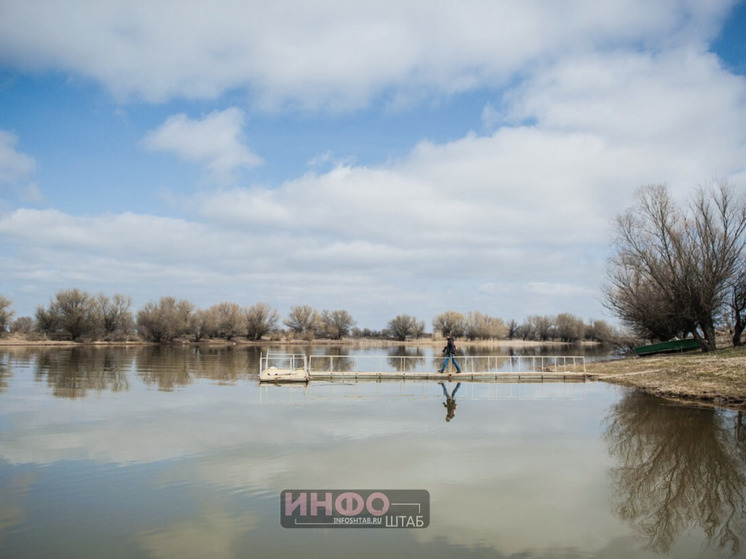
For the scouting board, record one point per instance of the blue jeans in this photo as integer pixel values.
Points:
(445, 363)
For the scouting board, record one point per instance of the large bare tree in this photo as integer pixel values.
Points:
(672, 268)
(165, 320)
(403, 326)
(261, 319)
(303, 320)
(335, 324)
(71, 314)
(450, 322)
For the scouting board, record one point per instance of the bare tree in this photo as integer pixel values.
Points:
(114, 316)
(230, 320)
(672, 268)
(600, 331)
(302, 320)
(569, 328)
(513, 328)
(5, 314)
(165, 320)
(404, 326)
(261, 319)
(538, 328)
(479, 326)
(22, 325)
(72, 314)
(452, 322)
(203, 323)
(335, 324)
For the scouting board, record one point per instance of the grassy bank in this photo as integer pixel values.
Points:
(717, 378)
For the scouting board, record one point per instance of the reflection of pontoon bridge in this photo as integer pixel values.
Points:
(280, 367)
(425, 390)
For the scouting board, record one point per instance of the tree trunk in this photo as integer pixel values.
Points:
(738, 330)
(705, 338)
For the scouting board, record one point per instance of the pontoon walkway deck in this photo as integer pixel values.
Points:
(304, 368)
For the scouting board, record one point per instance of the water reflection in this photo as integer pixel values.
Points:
(4, 373)
(679, 468)
(72, 372)
(450, 403)
(406, 358)
(197, 471)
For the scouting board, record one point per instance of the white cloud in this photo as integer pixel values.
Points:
(329, 53)
(15, 167)
(217, 140)
(591, 100)
(510, 223)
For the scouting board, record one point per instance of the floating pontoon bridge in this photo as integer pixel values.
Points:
(284, 367)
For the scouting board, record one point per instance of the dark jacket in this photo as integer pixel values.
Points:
(450, 348)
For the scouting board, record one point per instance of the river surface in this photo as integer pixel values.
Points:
(179, 452)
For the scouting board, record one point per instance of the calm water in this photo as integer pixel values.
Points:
(180, 453)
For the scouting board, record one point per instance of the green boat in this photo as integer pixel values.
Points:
(670, 346)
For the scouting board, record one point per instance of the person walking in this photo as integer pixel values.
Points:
(450, 352)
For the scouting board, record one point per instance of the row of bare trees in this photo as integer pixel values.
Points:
(74, 314)
(563, 327)
(678, 270)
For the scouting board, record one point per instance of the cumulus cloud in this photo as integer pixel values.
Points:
(513, 222)
(331, 53)
(15, 167)
(216, 140)
(590, 101)
(16, 171)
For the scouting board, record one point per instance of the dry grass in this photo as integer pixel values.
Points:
(717, 378)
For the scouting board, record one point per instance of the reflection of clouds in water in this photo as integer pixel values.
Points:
(212, 533)
(507, 474)
(12, 495)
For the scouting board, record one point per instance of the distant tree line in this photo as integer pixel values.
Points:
(679, 271)
(76, 315)
(563, 327)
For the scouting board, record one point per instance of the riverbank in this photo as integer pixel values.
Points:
(715, 379)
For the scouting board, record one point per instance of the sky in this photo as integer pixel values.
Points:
(385, 158)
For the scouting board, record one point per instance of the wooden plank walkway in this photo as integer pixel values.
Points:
(545, 376)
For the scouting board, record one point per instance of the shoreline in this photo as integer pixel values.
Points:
(716, 379)
(361, 342)
(709, 379)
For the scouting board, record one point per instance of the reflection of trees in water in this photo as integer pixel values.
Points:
(329, 357)
(679, 468)
(174, 367)
(4, 372)
(72, 372)
(403, 358)
(333, 363)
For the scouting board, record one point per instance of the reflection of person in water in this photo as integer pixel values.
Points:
(450, 403)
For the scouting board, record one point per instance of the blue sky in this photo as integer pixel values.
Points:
(397, 157)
